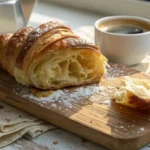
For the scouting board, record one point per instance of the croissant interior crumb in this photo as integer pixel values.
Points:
(67, 69)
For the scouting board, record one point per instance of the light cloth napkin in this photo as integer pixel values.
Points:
(15, 123)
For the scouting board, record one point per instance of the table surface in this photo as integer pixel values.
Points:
(82, 22)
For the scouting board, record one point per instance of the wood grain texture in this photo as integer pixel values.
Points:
(111, 125)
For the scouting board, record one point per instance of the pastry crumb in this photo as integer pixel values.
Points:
(55, 142)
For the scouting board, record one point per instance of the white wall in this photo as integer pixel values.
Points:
(111, 7)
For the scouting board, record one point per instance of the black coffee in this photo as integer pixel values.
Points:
(126, 30)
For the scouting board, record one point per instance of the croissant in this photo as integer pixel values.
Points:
(50, 56)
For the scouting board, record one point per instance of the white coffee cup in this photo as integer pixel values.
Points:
(128, 49)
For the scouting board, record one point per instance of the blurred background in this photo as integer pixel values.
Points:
(85, 12)
(76, 13)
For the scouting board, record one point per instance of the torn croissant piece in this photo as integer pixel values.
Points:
(134, 93)
(51, 56)
(41, 93)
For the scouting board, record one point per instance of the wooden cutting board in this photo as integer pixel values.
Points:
(95, 117)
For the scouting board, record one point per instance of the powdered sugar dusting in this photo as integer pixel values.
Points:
(117, 70)
(141, 129)
(65, 96)
(107, 102)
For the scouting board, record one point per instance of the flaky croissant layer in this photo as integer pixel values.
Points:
(50, 56)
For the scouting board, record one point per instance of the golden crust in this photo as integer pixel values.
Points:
(72, 43)
(4, 38)
(14, 46)
(68, 43)
(138, 102)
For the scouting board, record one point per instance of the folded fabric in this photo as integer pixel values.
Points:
(15, 123)
(37, 130)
